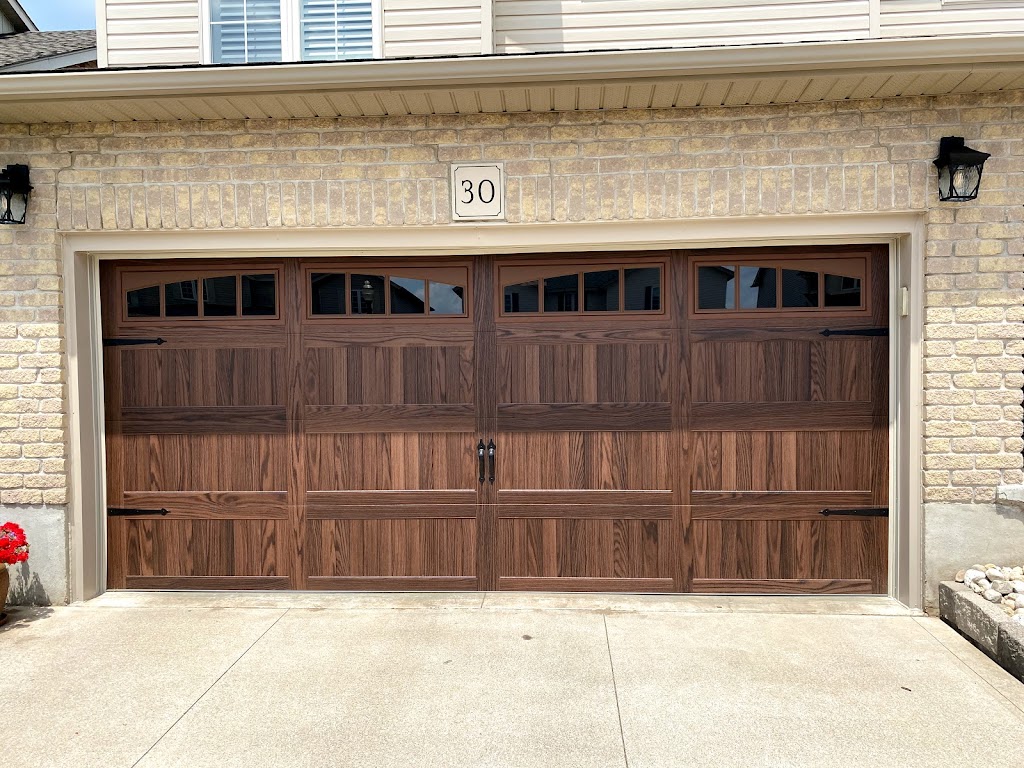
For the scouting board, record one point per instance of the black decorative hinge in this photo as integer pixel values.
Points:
(858, 512)
(132, 342)
(856, 332)
(127, 512)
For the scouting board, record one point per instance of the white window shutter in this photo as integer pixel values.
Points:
(245, 30)
(336, 29)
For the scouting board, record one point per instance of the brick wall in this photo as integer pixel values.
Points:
(800, 159)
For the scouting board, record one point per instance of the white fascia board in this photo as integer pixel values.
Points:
(968, 53)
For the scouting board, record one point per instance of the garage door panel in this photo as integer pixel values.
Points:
(389, 418)
(184, 377)
(782, 461)
(584, 548)
(577, 373)
(204, 462)
(205, 548)
(363, 375)
(782, 370)
(393, 549)
(773, 550)
(391, 461)
(584, 461)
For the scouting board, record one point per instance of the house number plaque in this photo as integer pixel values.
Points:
(478, 192)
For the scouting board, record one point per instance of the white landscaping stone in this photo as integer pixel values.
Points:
(992, 596)
(994, 574)
(984, 583)
(1002, 587)
(972, 575)
(1018, 586)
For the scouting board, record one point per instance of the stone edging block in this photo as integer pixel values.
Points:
(985, 623)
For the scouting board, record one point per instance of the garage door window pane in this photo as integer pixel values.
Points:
(643, 289)
(144, 302)
(408, 296)
(328, 290)
(601, 291)
(220, 296)
(522, 297)
(757, 287)
(180, 299)
(367, 294)
(561, 294)
(259, 295)
(716, 288)
(799, 288)
(447, 299)
(842, 291)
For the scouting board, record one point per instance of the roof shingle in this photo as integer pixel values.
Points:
(32, 46)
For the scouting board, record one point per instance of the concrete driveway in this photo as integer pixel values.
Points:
(498, 680)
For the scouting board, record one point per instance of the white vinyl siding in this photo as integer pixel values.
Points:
(5, 26)
(438, 28)
(336, 29)
(522, 26)
(925, 18)
(147, 32)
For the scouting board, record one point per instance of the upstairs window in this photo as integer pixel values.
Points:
(254, 31)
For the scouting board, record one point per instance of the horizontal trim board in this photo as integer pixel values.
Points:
(334, 419)
(207, 582)
(565, 496)
(350, 334)
(584, 334)
(217, 505)
(384, 512)
(582, 584)
(761, 498)
(585, 511)
(175, 420)
(362, 498)
(392, 583)
(790, 512)
(783, 586)
(781, 416)
(585, 417)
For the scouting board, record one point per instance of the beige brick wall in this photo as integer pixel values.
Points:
(802, 159)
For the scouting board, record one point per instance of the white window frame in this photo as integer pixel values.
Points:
(291, 30)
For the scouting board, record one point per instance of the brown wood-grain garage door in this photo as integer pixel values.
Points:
(646, 422)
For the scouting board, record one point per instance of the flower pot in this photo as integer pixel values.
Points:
(5, 584)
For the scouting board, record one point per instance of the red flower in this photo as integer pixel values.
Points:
(13, 544)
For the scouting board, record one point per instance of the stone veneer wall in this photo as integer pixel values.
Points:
(853, 156)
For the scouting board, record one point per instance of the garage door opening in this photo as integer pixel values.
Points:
(665, 421)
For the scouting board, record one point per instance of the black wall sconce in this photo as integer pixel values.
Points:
(959, 170)
(14, 192)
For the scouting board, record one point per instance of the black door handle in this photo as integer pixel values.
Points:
(480, 457)
(491, 454)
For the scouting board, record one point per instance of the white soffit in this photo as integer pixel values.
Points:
(607, 80)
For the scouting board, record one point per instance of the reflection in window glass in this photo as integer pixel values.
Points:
(601, 291)
(367, 294)
(522, 297)
(842, 291)
(144, 302)
(561, 294)
(220, 295)
(643, 289)
(408, 296)
(757, 287)
(715, 287)
(259, 295)
(180, 299)
(328, 293)
(447, 299)
(799, 288)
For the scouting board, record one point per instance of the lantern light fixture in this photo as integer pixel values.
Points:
(959, 170)
(14, 194)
